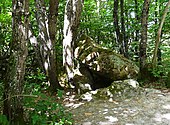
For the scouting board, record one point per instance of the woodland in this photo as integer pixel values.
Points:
(38, 40)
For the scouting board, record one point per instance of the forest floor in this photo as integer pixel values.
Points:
(152, 107)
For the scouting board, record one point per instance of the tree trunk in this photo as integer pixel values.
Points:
(71, 23)
(137, 31)
(143, 42)
(16, 68)
(120, 35)
(137, 19)
(52, 25)
(116, 24)
(46, 40)
(127, 26)
(156, 23)
(157, 42)
(123, 32)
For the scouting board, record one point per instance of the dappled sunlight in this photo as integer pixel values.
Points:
(167, 106)
(105, 123)
(166, 116)
(70, 101)
(111, 118)
(87, 123)
(161, 117)
(87, 96)
(148, 107)
(73, 105)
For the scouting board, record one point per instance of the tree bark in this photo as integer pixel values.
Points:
(71, 22)
(137, 19)
(52, 25)
(14, 80)
(116, 24)
(136, 31)
(46, 40)
(120, 34)
(143, 42)
(157, 42)
(123, 32)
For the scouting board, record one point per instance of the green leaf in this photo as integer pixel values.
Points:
(59, 93)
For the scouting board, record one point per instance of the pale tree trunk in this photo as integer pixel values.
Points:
(44, 43)
(158, 38)
(143, 42)
(16, 68)
(71, 22)
(46, 40)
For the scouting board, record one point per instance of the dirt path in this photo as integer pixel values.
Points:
(149, 108)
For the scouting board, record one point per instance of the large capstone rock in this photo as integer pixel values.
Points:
(101, 65)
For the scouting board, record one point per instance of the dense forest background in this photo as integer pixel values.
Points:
(37, 37)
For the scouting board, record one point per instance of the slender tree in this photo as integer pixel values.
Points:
(14, 81)
(116, 24)
(158, 38)
(143, 42)
(137, 19)
(44, 45)
(120, 31)
(71, 22)
(123, 32)
(52, 25)
(137, 30)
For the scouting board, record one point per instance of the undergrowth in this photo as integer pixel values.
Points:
(40, 106)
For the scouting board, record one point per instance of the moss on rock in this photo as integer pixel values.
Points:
(102, 65)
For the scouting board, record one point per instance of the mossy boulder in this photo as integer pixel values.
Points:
(101, 65)
(122, 89)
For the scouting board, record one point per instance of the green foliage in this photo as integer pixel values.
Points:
(41, 108)
(44, 110)
(39, 77)
(5, 23)
(98, 23)
(158, 71)
(38, 81)
(1, 90)
(168, 80)
(3, 120)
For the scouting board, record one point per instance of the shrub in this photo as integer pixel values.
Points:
(3, 120)
(44, 110)
(40, 107)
